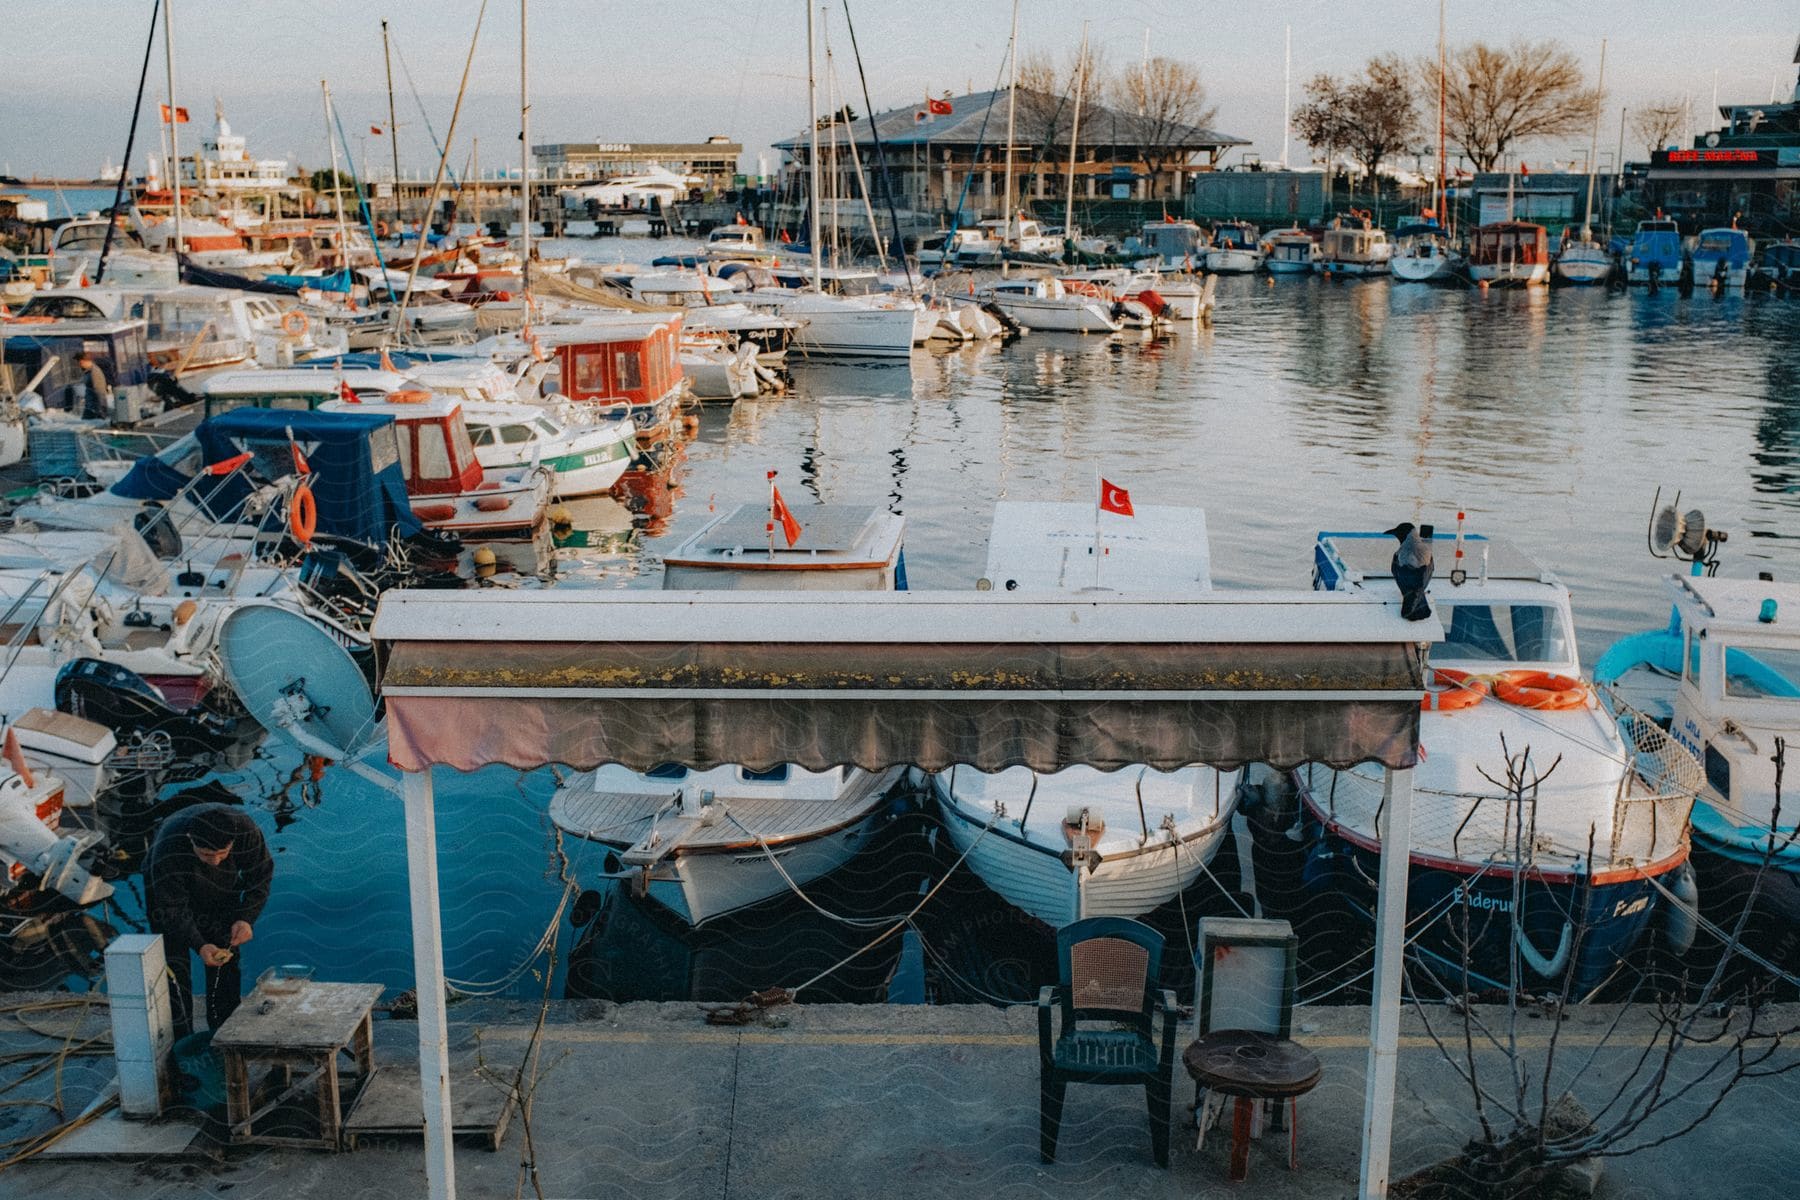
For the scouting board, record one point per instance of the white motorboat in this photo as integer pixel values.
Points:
(872, 326)
(1084, 842)
(703, 843)
(1176, 245)
(1721, 258)
(682, 289)
(1235, 250)
(1354, 245)
(1583, 261)
(584, 452)
(716, 371)
(1423, 254)
(1043, 303)
(1290, 252)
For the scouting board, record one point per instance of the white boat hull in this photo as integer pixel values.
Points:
(1510, 274)
(1732, 279)
(1342, 266)
(701, 887)
(1059, 316)
(1233, 261)
(1423, 268)
(1582, 266)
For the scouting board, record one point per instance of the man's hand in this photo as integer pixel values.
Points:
(241, 932)
(212, 956)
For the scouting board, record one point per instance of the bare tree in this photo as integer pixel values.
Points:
(1655, 125)
(1496, 97)
(1371, 116)
(1046, 108)
(1167, 100)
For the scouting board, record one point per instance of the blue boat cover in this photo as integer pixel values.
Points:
(338, 281)
(354, 458)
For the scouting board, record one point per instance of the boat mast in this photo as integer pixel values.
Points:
(1443, 87)
(1587, 220)
(393, 127)
(337, 191)
(174, 135)
(475, 175)
(1287, 88)
(812, 150)
(524, 161)
(1012, 106)
(1075, 141)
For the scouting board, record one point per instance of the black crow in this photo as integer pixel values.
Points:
(1412, 568)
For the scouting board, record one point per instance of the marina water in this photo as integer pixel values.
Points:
(1550, 418)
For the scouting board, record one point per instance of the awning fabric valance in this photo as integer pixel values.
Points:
(928, 679)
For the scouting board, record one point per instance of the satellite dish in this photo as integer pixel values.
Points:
(1712, 139)
(297, 681)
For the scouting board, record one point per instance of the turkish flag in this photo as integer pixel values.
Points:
(375, 129)
(778, 511)
(1115, 499)
(301, 467)
(939, 108)
(346, 395)
(1524, 170)
(180, 116)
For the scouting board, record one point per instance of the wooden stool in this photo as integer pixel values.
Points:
(303, 1029)
(1249, 1067)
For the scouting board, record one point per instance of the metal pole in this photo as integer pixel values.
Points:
(1012, 105)
(428, 983)
(812, 149)
(1075, 142)
(337, 190)
(393, 125)
(1587, 221)
(174, 136)
(524, 163)
(1384, 1007)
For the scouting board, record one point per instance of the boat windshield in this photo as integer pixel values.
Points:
(1765, 673)
(1503, 632)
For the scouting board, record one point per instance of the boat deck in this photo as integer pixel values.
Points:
(629, 818)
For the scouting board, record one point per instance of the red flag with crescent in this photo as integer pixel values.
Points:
(778, 512)
(1115, 499)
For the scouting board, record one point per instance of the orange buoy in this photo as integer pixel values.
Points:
(493, 504)
(1540, 689)
(434, 512)
(1464, 691)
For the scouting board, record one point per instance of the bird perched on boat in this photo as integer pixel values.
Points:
(1412, 568)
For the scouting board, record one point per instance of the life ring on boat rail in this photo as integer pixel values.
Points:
(1540, 689)
(294, 323)
(381, 229)
(1465, 690)
(303, 514)
(408, 396)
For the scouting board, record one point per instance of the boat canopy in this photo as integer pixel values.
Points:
(876, 679)
(358, 487)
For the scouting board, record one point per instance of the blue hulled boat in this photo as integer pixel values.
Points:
(1655, 256)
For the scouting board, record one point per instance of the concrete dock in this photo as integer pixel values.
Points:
(854, 1101)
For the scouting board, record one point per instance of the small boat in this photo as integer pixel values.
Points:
(1084, 842)
(1235, 250)
(1778, 266)
(682, 289)
(1423, 253)
(868, 326)
(448, 488)
(1291, 251)
(1656, 255)
(1582, 260)
(703, 843)
(1135, 303)
(1177, 245)
(1354, 245)
(1043, 303)
(627, 367)
(740, 242)
(1510, 254)
(1721, 259)
(1581, 854)
(584, 452)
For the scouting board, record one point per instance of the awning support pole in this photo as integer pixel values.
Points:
(428, 983)
(1384, 1008)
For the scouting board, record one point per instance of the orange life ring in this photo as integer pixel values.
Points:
(408, 396)
(1540, 689)
(294, 323)
(381, 229)
(303, 514)
(1465, 690)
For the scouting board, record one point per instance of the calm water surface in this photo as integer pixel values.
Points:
(1550, 418)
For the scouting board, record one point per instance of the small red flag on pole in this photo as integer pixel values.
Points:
(1115, 499)
(779, 515)
(346, 395)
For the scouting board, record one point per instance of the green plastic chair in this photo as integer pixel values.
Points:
(1109, 968)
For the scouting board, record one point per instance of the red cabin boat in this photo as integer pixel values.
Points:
(631, 367)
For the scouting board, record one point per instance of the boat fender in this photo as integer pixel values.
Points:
(434, 512)
(1681, 910)
(484, 562)
(1550, 967)
(184, 612)
(491, 504)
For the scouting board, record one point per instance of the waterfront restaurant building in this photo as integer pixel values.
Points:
(715, 160)
(939, 161)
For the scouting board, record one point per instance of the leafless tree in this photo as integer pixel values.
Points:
(1371, 116)
(1682, 1053)
(1655, 125)
(1499, 96)
(1046, 108)
(1167, 100)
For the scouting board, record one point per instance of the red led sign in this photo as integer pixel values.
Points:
(1712, 156)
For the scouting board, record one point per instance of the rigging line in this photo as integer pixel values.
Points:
(137, 109)
(419, 103)
(362, 203)
(887, 183)
(980, 141)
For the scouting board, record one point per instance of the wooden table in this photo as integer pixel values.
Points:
(1250, 1067)
(305, 1028)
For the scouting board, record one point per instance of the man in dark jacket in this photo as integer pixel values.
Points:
(205, 883)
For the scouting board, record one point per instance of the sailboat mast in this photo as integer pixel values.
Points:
(337, 191)
(174, 127)
(1287, 90)
(475, 176)
(524, 160)
(1443, 88)
(1587, 220)
(812, 149)
(1012, 107)
(393, 127)
(1075, 138)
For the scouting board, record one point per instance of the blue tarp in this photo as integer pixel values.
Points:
(339, 281)
(354, 459)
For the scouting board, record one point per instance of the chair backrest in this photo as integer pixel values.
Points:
(1105, 965)
(1245, 975)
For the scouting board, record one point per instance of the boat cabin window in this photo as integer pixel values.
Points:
(481, 435)
(62, 308)
(1765, 673)
(590, 370)
(434, 452)
(1503, 633)
(666, 771)
(512, 435)
(546, 428)
(625, 368)
(1690, 669)
(772, 775)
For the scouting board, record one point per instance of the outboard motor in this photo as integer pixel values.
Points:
(127, 703)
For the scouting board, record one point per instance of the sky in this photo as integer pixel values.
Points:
(682, 70)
